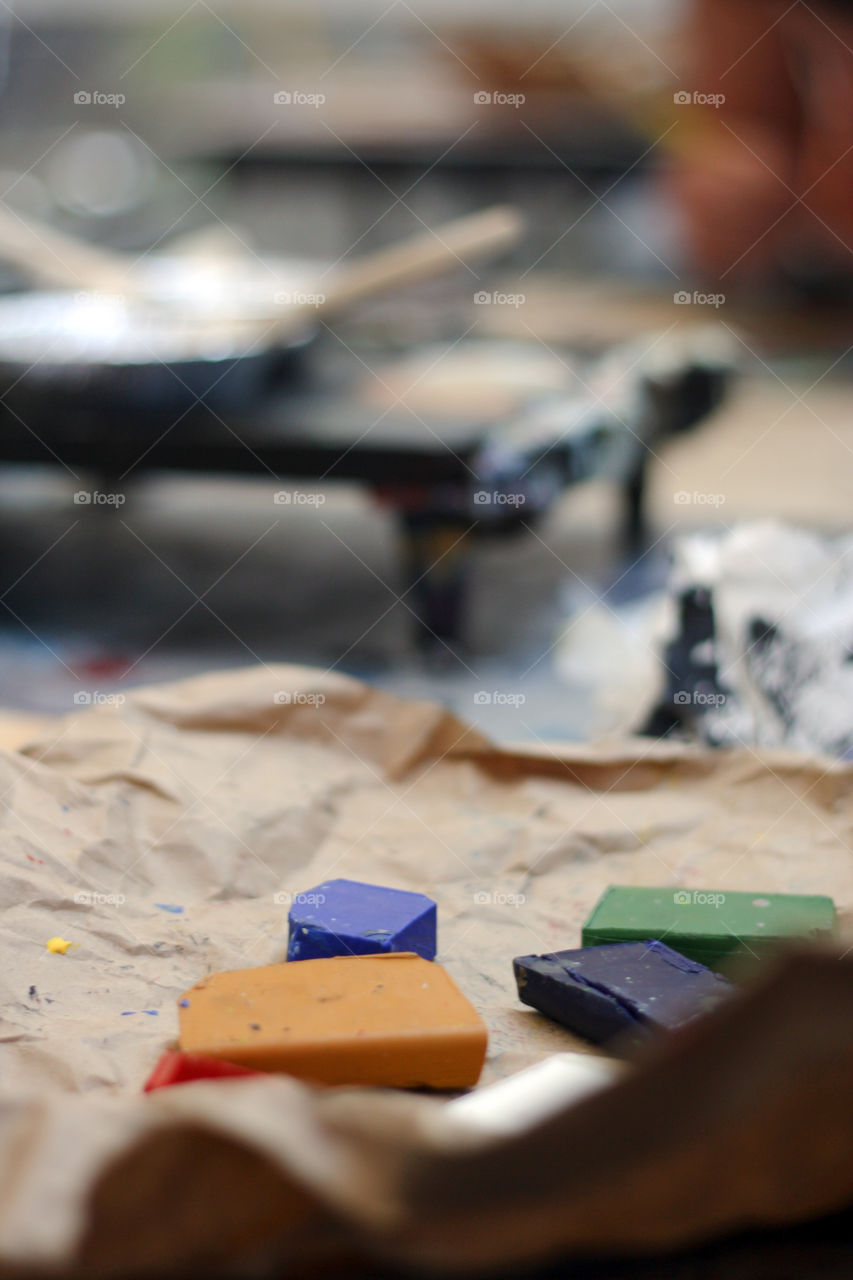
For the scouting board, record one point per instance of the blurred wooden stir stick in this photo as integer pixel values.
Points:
(479, 235)
(54, 259)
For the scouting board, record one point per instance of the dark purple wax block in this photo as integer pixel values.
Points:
(348, 918)
(618, 989)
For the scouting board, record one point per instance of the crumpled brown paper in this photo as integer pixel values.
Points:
(162, 837)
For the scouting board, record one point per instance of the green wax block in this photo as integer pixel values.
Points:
(709, 925)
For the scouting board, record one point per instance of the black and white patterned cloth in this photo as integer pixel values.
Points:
(760, 652)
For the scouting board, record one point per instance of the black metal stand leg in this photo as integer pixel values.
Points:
(436, 557)
(635, 530)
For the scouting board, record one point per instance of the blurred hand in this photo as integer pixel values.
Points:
(769, 182)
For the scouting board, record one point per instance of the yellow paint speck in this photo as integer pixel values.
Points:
(58, 946)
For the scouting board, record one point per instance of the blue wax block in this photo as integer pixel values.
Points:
(626, 989)
(346, 917)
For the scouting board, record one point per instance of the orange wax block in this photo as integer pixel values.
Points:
(393, 1019)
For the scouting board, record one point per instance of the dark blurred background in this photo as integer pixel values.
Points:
(654, 150)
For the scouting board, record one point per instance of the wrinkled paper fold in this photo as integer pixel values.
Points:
(163, 837)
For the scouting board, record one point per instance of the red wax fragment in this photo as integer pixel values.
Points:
(180, 1068)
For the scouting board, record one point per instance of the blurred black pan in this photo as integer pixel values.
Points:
(155, 352)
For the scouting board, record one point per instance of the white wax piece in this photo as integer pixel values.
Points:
(530, 1096)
